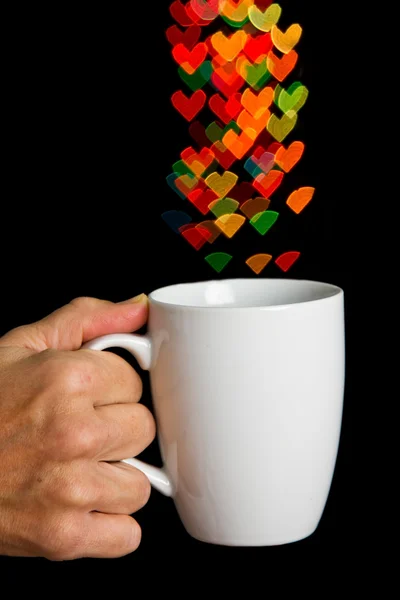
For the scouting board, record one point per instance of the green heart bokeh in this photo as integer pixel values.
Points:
(199, 78)
(257, 75)
(262, 222)
(215, 133)
(292, 99)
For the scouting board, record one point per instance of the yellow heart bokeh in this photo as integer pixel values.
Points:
(229, 47)
(197, 168)
(221, 184)
(186, 183)
(285, 42)
(223, 206)
(230, 224)
(265, 20)
(280, 128)
(233, 11)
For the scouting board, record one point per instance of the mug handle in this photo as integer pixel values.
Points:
(140, 346)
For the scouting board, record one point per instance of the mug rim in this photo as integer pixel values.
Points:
(334, 290)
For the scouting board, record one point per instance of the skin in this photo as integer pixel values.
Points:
(66, 417)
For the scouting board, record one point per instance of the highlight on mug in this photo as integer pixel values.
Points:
(236, 62)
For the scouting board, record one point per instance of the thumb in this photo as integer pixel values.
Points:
(78, 322)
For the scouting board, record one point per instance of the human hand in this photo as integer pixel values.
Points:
(65, 416)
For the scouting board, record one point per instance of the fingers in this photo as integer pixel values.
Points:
(95, 521)
(112, 433)
(71, 383)
(121, 489)
(130, 429)
(112, 379)
(80, 321)
(94, 535)
(88, 485)
(90, 506)
(111, 536)
(86, 378)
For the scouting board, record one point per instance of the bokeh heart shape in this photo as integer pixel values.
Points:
(237, 71)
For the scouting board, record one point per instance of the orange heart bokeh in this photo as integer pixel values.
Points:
(288, 158)
(257, 104)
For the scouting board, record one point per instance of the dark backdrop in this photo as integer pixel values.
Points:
(90, 135)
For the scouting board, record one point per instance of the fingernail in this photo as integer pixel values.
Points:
(136, 300)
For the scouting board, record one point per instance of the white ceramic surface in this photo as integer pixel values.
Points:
(247, 379)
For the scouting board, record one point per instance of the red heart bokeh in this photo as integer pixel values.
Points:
(194, 57)
(223, 155)
(202, 199)
(188, 38)
(257, 46)
(189, 107)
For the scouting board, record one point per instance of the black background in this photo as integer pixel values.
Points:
(90, 135)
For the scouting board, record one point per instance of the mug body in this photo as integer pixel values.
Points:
(247, 380)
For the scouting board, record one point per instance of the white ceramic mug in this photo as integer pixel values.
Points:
(247, 379)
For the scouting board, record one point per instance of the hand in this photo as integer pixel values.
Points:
(65, 417)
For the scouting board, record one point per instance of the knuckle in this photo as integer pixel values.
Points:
(75, 379)
(83, 302)
(76, 437)
(75, 493)
(80, 376)
(84, 436)
(70, 374)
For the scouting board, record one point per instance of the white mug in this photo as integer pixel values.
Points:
(247, 380)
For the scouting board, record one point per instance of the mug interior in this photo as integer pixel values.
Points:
(244, 293)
